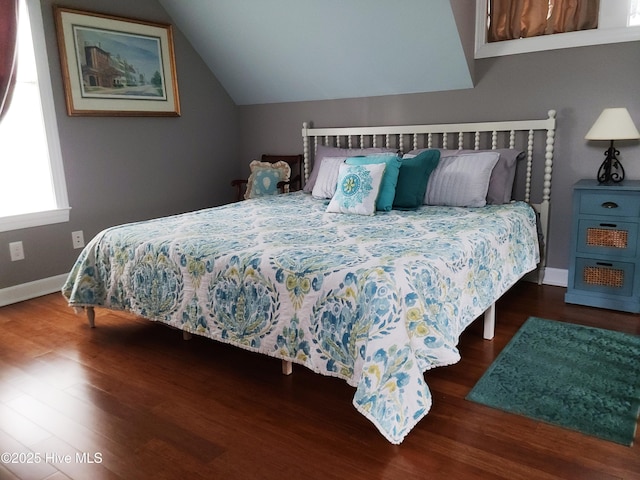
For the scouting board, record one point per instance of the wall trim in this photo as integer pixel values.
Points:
(557, 277)
(552, 276)
(29, 290)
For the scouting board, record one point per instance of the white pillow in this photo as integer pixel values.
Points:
(327, 178)
(461, 180)
(358, 188)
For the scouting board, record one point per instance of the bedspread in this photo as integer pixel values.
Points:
(376, 301)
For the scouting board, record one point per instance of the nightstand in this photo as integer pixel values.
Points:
(604, 266)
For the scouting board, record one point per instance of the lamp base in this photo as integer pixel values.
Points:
(611, 170)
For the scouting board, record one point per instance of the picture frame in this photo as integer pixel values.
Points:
(115, 66)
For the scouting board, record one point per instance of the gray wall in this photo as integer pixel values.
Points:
(577, 82)
(125, 169)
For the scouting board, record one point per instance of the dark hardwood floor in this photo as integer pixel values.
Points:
(131, 400)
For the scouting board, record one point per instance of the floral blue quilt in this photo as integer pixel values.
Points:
(376, 300)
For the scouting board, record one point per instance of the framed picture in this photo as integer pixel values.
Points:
(113, 66)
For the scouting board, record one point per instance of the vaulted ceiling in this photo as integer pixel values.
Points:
(269, 51)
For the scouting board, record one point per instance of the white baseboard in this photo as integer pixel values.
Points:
(557, 277)
(29, 290)
(552, 276)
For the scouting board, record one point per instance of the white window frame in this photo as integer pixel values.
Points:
(612, 28)
(61, 213)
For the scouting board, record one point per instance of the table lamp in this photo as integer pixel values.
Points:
(612, 124)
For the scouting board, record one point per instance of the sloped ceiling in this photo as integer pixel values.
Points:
(270, 51)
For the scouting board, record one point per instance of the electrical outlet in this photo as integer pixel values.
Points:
(17, 251)
(78, 239)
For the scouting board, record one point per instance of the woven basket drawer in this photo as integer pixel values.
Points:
(603, 276)
(609, 204)
(607, 237)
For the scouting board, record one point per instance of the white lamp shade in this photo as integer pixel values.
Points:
(613, 124)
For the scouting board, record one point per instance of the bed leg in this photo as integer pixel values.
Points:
(489, 322)
(287, 367)
(186, 335)
(91, 316)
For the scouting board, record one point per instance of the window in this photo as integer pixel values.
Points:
(32, 185)
(618, 21)
(634, 13)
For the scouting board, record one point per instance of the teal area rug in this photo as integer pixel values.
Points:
(581, 378)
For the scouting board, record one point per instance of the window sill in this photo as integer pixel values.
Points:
(35, 219)
(559, 40)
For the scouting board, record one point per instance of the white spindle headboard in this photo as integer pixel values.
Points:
(519, 134)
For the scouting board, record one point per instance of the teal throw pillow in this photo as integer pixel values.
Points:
(389, 179)
(413, 179)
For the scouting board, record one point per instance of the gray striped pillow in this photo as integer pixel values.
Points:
(461, 180)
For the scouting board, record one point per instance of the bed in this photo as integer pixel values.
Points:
(374, 299)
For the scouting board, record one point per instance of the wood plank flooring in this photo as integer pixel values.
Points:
(131, 400)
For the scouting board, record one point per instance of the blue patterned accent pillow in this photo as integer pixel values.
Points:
(358, 188)
(389, 179)
(265, 177)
